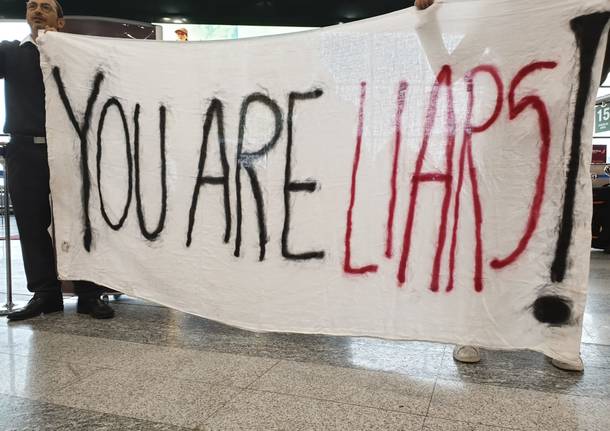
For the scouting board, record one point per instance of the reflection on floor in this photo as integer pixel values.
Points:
(152, 368)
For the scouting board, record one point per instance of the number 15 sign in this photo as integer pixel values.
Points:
(602, 118)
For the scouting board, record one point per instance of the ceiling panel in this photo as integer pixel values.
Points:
(303, 13)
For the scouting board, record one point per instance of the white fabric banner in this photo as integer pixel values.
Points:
(420, 175)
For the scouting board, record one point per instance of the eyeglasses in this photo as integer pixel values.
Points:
(45, 7)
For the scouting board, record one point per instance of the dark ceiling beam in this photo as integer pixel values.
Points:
(303, 13)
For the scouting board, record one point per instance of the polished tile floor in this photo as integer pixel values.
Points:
(152, 368)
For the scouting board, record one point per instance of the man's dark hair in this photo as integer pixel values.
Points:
(60, 10)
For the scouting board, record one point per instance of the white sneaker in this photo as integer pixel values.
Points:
(569, 366)
(467, 354)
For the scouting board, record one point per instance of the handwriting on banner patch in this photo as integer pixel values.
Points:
(451, 177)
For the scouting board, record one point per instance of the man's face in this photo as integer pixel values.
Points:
(41, 14)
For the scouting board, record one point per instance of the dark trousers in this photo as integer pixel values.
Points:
(28, 178)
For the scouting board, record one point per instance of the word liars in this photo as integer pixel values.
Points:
(453, 183)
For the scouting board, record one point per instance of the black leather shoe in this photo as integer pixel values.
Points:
(95, 307)
(41, 303)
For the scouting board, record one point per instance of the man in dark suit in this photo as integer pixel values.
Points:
(29, 171)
